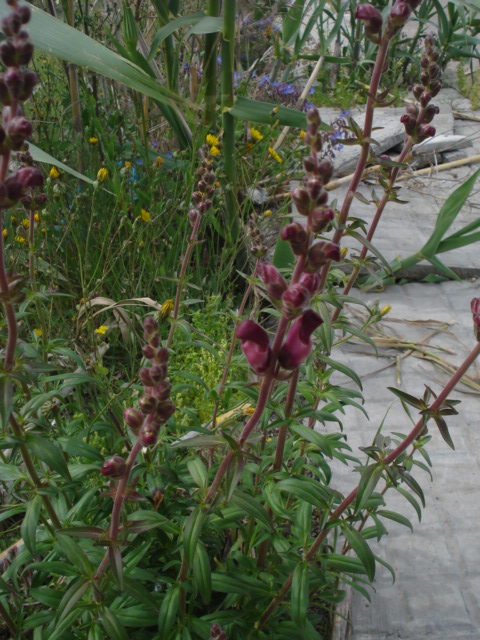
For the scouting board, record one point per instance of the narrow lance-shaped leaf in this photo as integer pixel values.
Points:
(6, 401)
(361, 548)
(202, 574)
(192, 531)
(168, 611)
(368, 481)
(30, 521)
(299, 597)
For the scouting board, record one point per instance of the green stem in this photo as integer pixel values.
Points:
(8, 621)
(210, 68)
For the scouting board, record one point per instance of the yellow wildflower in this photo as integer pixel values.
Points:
(212, 141)
(26, 223)
(5, 233)
(102, 330)
(302, 134)
(214, 150)
(37, 217)
(274, 155)
(217, 184)
(20, 240)
(128, 165)
(54, 173)
(38, 332)
(159, 161)
(343, 252)
(102, 174)
(166, 309)
(255, 133)
(43, 230)
(145, 215)
(386, 309)
(267, 213)
(93, 140)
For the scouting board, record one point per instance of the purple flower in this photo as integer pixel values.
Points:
(298, 344)
(255, 345)
(274, 282)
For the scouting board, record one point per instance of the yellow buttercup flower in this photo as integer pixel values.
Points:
(267, 213)
(212, 141)
(26, 223)
(214, 150)
(93, 140)
(386, 309)
(159, 161)
(102, 330)
(255, 133)
(102, 174)
(274, 155)
(20, 240)
(5, 233)
(302, 134)
(128, 165)
(38, 332)
(54, 173)
(145, 215)
(37, 217)
(166, 309)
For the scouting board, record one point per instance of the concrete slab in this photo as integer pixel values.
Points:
(437, 591)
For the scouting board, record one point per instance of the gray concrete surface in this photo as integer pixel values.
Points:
(436, 595)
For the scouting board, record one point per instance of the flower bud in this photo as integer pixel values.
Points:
(294, 299)
(134, 419)
(424, 62)
(40, 200)
(18, 130)
(302, 200)
(315, 187)
(164, 410)
(313, 116)
(158, 373)
(8, 53)
(312, 129)
(163, 390)
(150, 328)
(373, 20)
(412, 110)
(321, 253)
(409, 123)
(309, 164)
(192, 216)
(325, 170)
(29, 176)
(149, 433)
(197, 197)
(296, 235)
(149, 352)
(417, 91)
(433, 70)
(5, 97)
(475, 306)
(147, 403)
(255, 345)
(14, 80)
(114, 467)
(274, 282)
(298, 344)
(310, 281)
(24, 13)
(11, 24)
(424, 78)
(399, 14)
(319, 218)
(146, 378)
(430, 112)
(435, 87)
(425, 98)
(30, 81)
(423, 132)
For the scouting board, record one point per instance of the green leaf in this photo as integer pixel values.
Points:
(291, 23)
(371, 248)
(30, 521)
(396, 517)
(193, 529)
(112, 625)
(305, 489)
(6, 400)
(299, 595)
(168, 611)
(361, 548)
(239, 583)
(73, 552)
(42, 156)
(368, 481)
(444, 432)
(411, 500)
(172, 26)
(414, 486)
(73, 594)
(11, 473)
(339, 366)
(48, 453)
(406, 397)
(198, 471)
(142, 520)
(267, 113)
(233, 474)
(310, 435)
(77, 447)
(344, 564)
(448, 213)
(251, 506)
(438, 264)
(202, 574)
(116, 565)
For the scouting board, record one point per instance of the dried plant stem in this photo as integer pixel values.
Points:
(412, 436)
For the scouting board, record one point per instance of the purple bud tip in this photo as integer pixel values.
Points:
(273, 280)
(133, 418)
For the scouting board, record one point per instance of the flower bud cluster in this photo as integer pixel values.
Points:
(399, 14)
(16, 86)
(417, 120)
(294, 300)
(202, 197)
